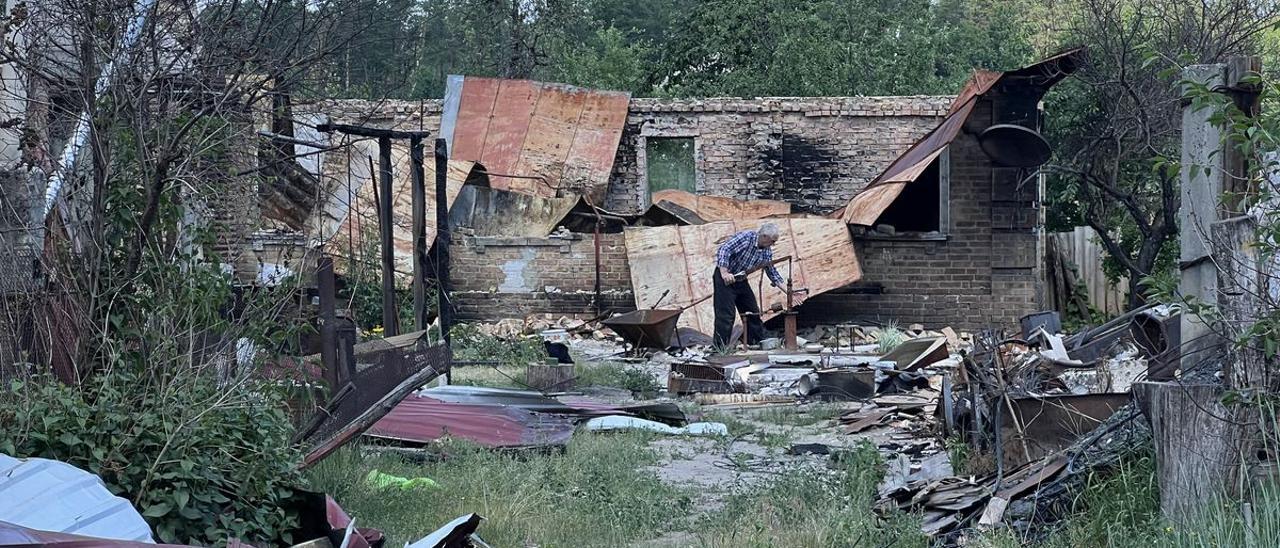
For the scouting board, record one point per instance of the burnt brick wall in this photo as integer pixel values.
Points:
(513, 277)
(984, 274)
(814, 152)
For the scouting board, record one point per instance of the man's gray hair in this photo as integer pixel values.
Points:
(770, 230)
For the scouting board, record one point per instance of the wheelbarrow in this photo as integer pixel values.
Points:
(649, 327)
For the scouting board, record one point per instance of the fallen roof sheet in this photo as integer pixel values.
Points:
(719, 208)
(420, 419)
(548, 135)
(50, 495)
(17, 535)
(665, 412)
(682, 259)
(503, 213)
(875, 198)
(388, 370)
(348, 217)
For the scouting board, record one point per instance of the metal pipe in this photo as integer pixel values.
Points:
(390, 316)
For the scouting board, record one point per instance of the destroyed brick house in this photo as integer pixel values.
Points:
(939, 232)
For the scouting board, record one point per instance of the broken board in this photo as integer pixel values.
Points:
(682, 260)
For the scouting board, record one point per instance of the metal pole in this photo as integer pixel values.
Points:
(390, 315)
(419, 235)
(442, 239)
(328, 336)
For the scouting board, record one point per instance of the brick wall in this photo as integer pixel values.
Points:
(812, 152)
(984, 274)
(514, 277)
(815, 152)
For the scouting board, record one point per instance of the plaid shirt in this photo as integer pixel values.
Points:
(742, 252)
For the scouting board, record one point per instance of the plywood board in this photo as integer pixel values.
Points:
(682, 259)
(348, 224)
(719, 208)
(547, 135)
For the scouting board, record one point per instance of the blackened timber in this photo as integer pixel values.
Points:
(390, 316)
(378, 133)
(419, 234)
(328, 336)
(442, 239)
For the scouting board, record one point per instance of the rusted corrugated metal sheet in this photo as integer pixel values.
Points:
(871, 202)
(555, 135)
(420, 419)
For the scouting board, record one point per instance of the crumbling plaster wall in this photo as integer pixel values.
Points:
(814, 152)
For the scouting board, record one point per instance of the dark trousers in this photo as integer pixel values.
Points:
(730, 299)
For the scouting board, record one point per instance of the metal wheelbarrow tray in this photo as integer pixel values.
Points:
(649, 328)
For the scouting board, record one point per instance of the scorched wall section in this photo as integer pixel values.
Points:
(813, 152)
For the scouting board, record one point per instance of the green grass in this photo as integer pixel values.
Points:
(799, 415)
(617, 375)
(810, 508)
(502, 376)
(594, 494)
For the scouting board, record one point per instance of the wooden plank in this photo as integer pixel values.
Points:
(508, 129)
(682, 259)
(719, 208)
(475, 109)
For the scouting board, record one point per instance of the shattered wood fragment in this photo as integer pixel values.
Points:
(719, 208)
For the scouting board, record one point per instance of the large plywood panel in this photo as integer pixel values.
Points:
(547, 145)
(682, 260)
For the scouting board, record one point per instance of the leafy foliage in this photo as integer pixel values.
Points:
(471, 344)
(202, 463)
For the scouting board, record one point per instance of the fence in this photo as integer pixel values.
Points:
(1080, 251)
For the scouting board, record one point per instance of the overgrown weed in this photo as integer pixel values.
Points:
(808, 507)
(594, 494)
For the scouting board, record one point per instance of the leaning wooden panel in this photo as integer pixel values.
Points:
(720, 208)
(682, 260)
(656, 261)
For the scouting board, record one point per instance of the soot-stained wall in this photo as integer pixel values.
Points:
(814, 152)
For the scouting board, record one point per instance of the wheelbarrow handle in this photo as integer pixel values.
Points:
(694, 303)
(660, 298)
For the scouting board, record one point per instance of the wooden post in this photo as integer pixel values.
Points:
(419, 234)
(328, 336)
(443, 236)
(390, 315)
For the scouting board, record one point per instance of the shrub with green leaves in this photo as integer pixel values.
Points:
(203, 464)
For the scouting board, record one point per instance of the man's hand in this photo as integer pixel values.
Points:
(726, 275)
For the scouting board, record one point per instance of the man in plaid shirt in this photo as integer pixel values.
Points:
(737, 255)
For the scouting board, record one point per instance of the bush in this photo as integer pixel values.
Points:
(203, 464)
(470, 344)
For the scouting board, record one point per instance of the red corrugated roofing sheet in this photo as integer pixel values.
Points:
(421, 419)
(565, 134)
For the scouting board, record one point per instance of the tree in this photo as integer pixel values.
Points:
(1116, 168)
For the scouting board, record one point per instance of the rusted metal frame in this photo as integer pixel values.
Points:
(417, 174)
(390, 315)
